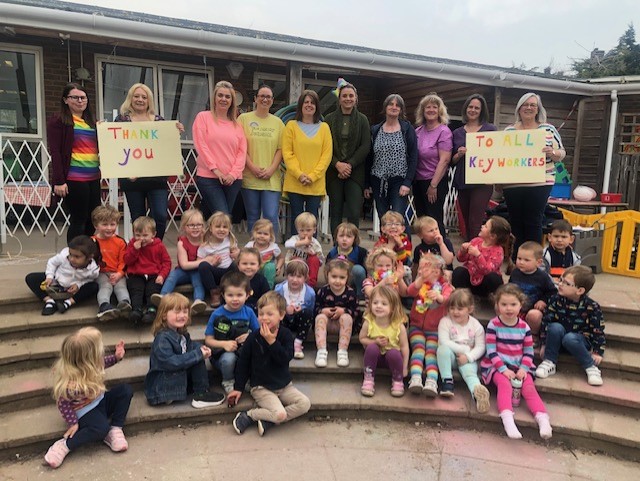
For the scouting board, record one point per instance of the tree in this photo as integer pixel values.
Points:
(624, 59)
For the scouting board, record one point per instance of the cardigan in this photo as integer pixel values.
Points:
(410, 140)
(60, 144)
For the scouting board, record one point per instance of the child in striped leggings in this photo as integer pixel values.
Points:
(430, 291)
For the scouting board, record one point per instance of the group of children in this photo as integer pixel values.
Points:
(246, 341)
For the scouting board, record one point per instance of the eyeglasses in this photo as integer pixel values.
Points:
(565, 282)
(394, 224)
(530, 106)
(194, 226)
(77, 98)
(265, 97)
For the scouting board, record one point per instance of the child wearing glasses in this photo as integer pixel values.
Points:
(573, 321)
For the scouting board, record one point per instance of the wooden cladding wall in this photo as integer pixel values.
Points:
(591, 144)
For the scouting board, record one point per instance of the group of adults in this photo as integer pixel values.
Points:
(342, 157)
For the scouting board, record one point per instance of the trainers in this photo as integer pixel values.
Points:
(264, 426)
(149, 316)
(56, 453)
(228, 386)
(321, 358)
(397, 388)
(135, 317)
(594, 376)
(107, 312)
(49, 308)
(297, 349)
(207, 399)
(115, 440)
(368, 386)
(545, 369)
(430, 388)
(242, 421)
(155, 299)
(343, 358)
(198, 307)
(481, 395)
(446, 390)
(415, 384)
(124, 307)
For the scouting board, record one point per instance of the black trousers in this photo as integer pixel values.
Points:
(82, 198)
(489, 284)
(86, 291)
(141, 288)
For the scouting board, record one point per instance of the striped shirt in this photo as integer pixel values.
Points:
(84, 165)
(508, 347)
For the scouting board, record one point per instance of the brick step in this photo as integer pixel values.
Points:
(31, 430)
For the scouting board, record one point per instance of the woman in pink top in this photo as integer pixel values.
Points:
(222, 151)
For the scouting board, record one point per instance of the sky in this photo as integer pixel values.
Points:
(505, 33)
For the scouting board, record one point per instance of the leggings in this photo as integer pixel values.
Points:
(447, 359)
(528, 393)
(344, 325)
(392, 359)
(211, 276)
(299, 323)
(424, 347)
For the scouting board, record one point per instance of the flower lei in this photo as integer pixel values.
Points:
(423, 303)
(380, 275)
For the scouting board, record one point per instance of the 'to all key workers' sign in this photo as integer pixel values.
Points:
(139, 149)
(511, 157)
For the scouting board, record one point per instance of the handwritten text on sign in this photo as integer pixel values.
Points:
(512, 157)
(139, 149)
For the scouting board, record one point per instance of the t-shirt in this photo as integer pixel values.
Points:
(244, 314)
(223, 249)
(423, 248)
(269, 254)
(112, 252)
(264, 138)
(84, 165)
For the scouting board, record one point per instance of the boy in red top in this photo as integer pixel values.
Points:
(148, 265)
(112, 279)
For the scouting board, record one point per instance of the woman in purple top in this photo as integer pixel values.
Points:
(472, 198)
(434, 153)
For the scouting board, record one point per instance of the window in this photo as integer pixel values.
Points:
(277, 83)
(324, 89)
(20, 92)
(116, 81)
(184, 94)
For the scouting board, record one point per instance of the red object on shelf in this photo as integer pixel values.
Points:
(610, 198)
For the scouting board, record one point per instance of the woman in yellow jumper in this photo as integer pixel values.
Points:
(307, 149)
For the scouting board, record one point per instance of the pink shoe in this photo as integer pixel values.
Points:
(368, 386)
(298, 349)
(397, 388)
(115, 440)
(56, 454)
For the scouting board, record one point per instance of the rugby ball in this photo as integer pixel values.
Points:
(584, 193)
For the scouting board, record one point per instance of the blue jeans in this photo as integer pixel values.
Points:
(574, 342)
(217, 197)
(158, 203)
(261, 202)
(303, 203)
(358, 275)
(179, 276)
(226, 364)
(391, 199)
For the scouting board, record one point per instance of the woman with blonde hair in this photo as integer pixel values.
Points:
(145, 192)
(222, 151)
(434, 154)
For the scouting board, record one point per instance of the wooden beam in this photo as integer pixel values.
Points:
(578, 143)
(294, 81)
(496, 108)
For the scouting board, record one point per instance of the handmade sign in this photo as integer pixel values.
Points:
(510, 157)
(139, 149)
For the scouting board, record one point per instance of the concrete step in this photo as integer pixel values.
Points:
(33, 429)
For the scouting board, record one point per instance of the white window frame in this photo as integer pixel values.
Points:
(39, 73)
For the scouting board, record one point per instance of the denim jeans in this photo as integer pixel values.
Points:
(217, 197)
(391, 199)
(574, 342)
(265, 203)
(226, 364)
(358, 275)
(158, 203)
(303, 203)
(179, 276)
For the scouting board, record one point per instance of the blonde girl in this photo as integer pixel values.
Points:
(347, 245)
(83, 401)
(216, 254)
(176, 359)
(190, 239)
(263, 238)
(335, 310)
(384, 339)
(430, 292)
(509, 360)
(483, 256)
(384, 269)
(461, 344)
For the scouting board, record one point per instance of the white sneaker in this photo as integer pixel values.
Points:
(415, 384)
(228, 386)
(343, 358)
(430, 388)
(545, 369)
(321, 358)
(594, 376)
(298, 349)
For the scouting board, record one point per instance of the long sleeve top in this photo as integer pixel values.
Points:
(357, 256)
(467, 339)
(411, 145)
(305, 299)
(537, 286)
(220, 144)
(584, 316)
(60, 269)
(489, 260)
(327, 298)
(427, 317)
(149, 260)
(78, 403)
(112, 253)
(508, 347)
(306, 155)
